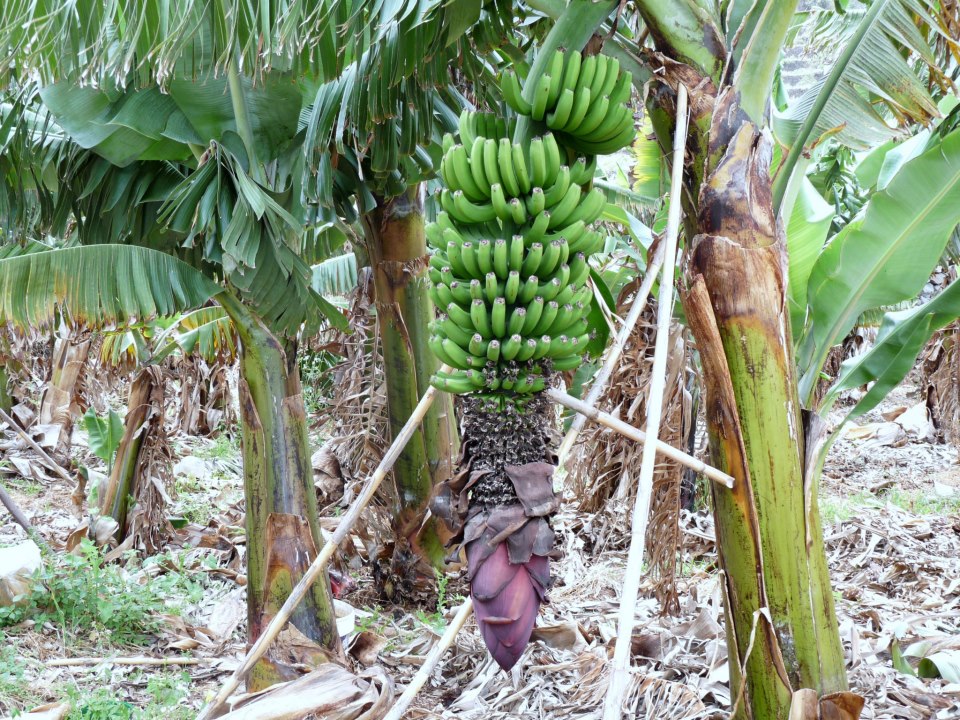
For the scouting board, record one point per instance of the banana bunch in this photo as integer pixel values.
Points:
(509, 262)
(586, 99)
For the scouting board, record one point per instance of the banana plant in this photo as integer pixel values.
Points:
(781, 627)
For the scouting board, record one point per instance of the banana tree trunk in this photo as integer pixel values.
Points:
(396, 245)
(782, 628)
(57, 406)
(283, 532)
(144, 416)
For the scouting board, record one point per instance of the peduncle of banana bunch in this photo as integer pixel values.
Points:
(509, 269)
(510, 247)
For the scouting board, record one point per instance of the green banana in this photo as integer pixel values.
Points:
(469, 255)
(532, 313)
(461, 317)
(499, 202)
(476, 290)
(510, 347)
(541, 96)
(458, 160)
(593, 118)
(526, 351)
(599, 76)
(571, 70)
(549, 314)
(518, 211)
(590, 208)
(492, 287)
(538, 162)
(555, 72)
(536, 201)
(520, 167)
(517, 318)
(588, 69)
(498, 317)
(441, 295)
(582, 171)
(511, 288)
(469, 212)
(551, 153)
(501, 260)
(610, 79)
(493, 350)
(455, 332)
(451, 383)
(553, 194)
(528, 291)
(478, 346)
(532, 261)
(460, 292)
(491, 167)
(538, 229)
(455, 258)
(485, 256)
(508, 175)
(516, 252)
(568, 363)
(476, 163)
(579, 269)
(581, 105)
(558, 117)
(480, 319)
(513, 93)
(564, 209)
(447, 142)
(549, 290)
(548, 263)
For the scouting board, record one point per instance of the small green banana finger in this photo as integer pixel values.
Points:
(582, 171)
(526, 351)
(511, 288)
(520, 167)
(518, 211)
(441, 295)
(532, 261)
(529, 290)
(560, 115)
(541, 96)
(480, 318)
(555, 193)
(516, 252)
(593, 119)
(588, 69)
(600, 76)
(453, 383)
(538, 228)
(478, 346)
(447, 142)
(457, 333)
(536, 201)
(493, 350)
(549, 290)
(517, 319)
(510, 347)
(472, 212)
(534, 310)
(571, 70)
(485, 256)
(501, 259)
(610, 79)
(581, 106)
(579, 269)
(550, 259)
(491, 167)
(459, 160)
(499, 202)
(476, 163)
(460, 317)
(508, 175)
(498, 317)
(456, 355)
(538, 162)
(570, 362)
(549, 314)
(492, 288)
(513, 93)
(551, 153)
(590, 207)
(561, 213)
(476, 290)
(555, 71)
(460, 292)
(468, 254)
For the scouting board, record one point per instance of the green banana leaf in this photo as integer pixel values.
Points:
(901, 338)
(103, 433)
(806, 233)
(886, 255)
(99, 286)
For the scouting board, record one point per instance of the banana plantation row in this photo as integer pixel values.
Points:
(196, 174)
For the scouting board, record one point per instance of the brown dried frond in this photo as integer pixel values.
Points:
(605, 466)
(940, 380)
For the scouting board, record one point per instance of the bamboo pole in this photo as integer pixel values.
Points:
(433, 659)
(620, 673)
(635, 433)
(613, 354)
(319, 563)
(11, 505)
(142, 661)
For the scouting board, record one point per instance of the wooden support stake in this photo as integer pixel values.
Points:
(144, 661)
(635, 433)
(323, 557)
(433, 658)
(620, 672)
(10, 504)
